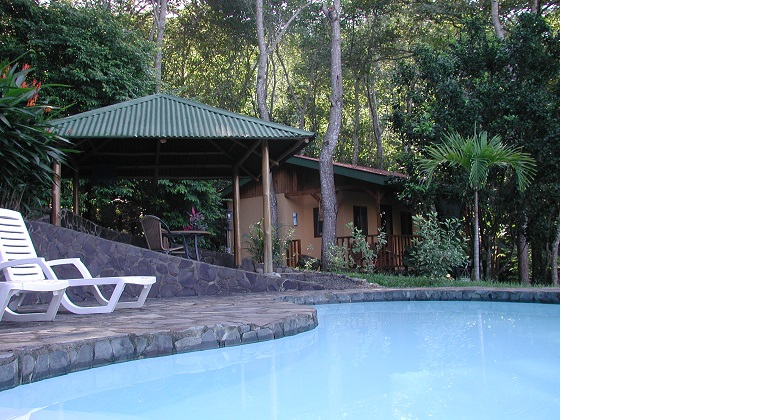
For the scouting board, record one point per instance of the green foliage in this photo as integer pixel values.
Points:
(509, 87)
(359, 255)
(339, 258)
(281, 242)
(117, 204)
(400, 281)
(475, 155)
(27, 149)
(439, 247)
(85, 48)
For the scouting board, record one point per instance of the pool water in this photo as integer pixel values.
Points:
(378, 360)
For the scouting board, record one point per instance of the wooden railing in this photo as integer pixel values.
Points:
(391, 255)
(293, 252)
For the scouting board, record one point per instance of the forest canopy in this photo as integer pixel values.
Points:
(412, 72)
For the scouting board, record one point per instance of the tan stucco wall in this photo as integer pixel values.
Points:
(252, 211)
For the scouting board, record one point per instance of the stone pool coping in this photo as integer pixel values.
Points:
(33, 351)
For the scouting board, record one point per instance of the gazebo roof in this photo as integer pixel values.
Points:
(162, 136)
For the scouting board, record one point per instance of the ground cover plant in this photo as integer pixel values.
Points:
(404, 281)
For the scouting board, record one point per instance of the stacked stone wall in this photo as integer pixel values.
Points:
(176, 276)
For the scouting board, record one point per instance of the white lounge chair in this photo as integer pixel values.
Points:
(16, 245)
(12, 292)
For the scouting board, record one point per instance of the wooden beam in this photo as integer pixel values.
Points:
(236, 218)
(267, 207)
(76, 193)
(56, 193)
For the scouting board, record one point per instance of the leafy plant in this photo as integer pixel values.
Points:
(28, 149)
(358, 255)
(196, 221)
(280, 243)
(439, 246)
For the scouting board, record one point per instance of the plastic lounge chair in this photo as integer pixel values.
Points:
(12, 292)
(159, 236)
(16, 248)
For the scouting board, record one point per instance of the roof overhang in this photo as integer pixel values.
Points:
(165, 137)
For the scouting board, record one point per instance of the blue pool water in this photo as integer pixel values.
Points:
(380, 360)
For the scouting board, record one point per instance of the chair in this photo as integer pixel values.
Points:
(20, 264)
(12, 292)
(159, 236)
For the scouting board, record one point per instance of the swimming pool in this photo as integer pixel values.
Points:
(377, 360)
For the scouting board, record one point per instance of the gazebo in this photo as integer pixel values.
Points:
(162, 136)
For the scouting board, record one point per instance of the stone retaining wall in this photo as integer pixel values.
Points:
(176, 276)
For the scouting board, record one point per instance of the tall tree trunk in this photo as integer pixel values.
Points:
(327, 184)
(555, 259)
(476, 240)
(261, 74)
(160, 17)
(373, 107)
(523, 266)
(356, 130)
(536, 7)
(500, 32)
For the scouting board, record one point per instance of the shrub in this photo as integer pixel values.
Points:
(343, 258)
(27, 149)
(280, 243)
(439, 246)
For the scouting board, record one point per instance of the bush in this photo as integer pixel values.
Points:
(344, 258)
(27, 149)
(439, 246)
(280, 243)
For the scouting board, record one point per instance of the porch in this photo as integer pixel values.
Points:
(389, 259)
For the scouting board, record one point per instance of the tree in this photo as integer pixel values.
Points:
(86, 52)
(27, 149)
(160, 11)
(331, 139)
(475, 156)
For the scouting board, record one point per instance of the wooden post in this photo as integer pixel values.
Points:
(266, 186)
(76, 193)
(56, 200)
(236, 219)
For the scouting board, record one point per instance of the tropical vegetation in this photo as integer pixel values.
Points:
(408, 75)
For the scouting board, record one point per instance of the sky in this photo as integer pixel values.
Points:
(663, 209)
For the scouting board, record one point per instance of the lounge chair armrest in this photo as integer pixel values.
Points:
(84, 273)
(49, 274)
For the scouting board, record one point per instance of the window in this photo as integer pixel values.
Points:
(360, 218)
(406, 223)
(318, 223)
(386, 219)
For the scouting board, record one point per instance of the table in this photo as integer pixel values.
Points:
(191, 234)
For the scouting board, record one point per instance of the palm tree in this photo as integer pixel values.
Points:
(476, 155)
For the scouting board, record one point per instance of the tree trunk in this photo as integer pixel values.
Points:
(500, 32)
(536, 7)
(356, 124)
(555, 252)
(373, 107)
(476, 241)
(523, 266)
(261, 74)
(327, 184)
(160, 17)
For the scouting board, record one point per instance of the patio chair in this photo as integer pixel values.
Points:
(20, 264)
(159, 236)
(12, 293)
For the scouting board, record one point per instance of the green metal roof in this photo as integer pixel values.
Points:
(164, 136)
(168, 116)
(362, 173)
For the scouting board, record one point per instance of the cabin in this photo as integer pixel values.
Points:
(365, 196)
